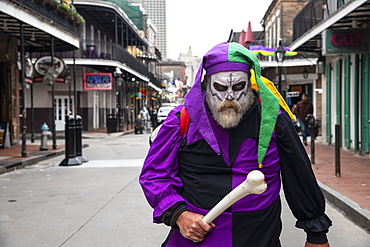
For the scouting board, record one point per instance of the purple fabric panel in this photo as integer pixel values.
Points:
(161, 166)
(221, 235)
(222, 138)
(218, 54)
(193, 135)
(246, 162)
(194, 102)
(262, 48)
(228, 66)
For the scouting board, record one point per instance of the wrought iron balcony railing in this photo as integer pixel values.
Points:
(47, 9)
(106, 50)
(311, 14)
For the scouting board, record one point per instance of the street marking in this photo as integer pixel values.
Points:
(106, 164)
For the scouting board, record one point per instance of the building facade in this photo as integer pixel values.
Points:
(156, 11)
(192, 64)
(109, 73)
(341, 36)
(36, 26)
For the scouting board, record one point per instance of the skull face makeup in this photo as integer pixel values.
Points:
(229, 96)
(230, 85)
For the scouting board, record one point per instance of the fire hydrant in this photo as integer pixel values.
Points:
(44, 136)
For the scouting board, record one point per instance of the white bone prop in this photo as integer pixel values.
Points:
(254, 184)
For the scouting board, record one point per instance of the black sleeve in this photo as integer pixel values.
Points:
(169, 217)
(302, 192)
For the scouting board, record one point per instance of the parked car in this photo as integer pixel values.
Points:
(163, 113)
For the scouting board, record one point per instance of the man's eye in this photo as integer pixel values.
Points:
(239, 86)
(219, 87)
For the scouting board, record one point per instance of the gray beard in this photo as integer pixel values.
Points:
(228, 114)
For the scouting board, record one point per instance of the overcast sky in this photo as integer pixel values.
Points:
(203, 24)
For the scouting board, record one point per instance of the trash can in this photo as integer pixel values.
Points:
(111, 123)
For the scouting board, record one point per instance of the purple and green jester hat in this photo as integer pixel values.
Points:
(231, 57)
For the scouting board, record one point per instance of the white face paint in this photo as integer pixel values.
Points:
(229, 85)
(229, 96)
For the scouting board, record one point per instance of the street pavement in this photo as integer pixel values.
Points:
(100, 203)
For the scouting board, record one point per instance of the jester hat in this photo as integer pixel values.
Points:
(234, 57)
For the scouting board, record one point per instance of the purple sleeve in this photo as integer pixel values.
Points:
(159, 176)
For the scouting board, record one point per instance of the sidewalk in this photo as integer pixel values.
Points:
(350, 192)
(11, 158)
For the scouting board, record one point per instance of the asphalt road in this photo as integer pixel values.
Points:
(100, 203)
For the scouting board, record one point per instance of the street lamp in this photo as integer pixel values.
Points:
(280, 51)
(118, 74)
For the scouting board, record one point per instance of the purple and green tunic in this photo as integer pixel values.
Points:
(196, 171)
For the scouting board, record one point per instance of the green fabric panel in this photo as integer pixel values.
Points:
(269, 113)
(240, 54)
(270, 103)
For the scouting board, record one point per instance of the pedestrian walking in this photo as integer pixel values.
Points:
(138, 125)
(304, 107)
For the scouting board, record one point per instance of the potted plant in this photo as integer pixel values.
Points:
(51, 4)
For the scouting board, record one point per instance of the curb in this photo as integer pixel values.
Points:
(14, 165)
(104, 135)
(9, 166)
(354, 211)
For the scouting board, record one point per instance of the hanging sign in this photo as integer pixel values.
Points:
(53, 71)
(28, 69)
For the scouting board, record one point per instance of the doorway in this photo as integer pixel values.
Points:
(62, 108)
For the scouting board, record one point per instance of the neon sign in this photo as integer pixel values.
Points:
(97, 81)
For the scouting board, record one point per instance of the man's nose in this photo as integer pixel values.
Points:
(230, 95)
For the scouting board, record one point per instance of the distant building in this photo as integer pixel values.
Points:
(175, 72)
(156, 11)
(192, 64)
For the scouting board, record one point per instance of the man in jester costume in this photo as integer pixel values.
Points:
(238, 123)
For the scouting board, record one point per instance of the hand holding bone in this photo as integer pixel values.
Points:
(254, 184)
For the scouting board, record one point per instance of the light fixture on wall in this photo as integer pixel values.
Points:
(305, 73)
(33, 38)
(5, 25)
(117, 72)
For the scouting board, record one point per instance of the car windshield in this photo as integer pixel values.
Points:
(165, 110)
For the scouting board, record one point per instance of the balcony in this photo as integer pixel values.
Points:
(40, 23)
(47, 9)
(319, 15)
(311, 14)
(109, 51)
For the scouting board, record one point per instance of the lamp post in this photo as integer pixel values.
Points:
(23, 101)
(119, 95)
(119, 81)
(280, 51)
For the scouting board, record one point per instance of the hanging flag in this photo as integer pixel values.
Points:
(260, 49)
(249, 35)
(242, 38)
